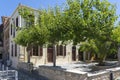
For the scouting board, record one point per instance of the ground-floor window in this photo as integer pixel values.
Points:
(11, 50)
(41, 51)
(35, 51)
(61, 50)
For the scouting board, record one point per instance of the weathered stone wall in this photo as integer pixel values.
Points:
(58, 74)
(101, 76)
(108, 74)
(25, 66)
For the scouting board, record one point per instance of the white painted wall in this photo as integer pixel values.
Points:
(13, 22)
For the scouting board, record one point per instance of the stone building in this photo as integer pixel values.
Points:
(39, 55)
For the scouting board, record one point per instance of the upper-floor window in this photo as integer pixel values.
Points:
(30, 21)
(11, 29)
(15, 49)
(17, 22)
(14, 32)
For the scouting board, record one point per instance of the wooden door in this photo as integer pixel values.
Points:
(80, 56)
(50, 54)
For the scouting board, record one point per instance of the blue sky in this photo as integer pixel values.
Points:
(8, 6)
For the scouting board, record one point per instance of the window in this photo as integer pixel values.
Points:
(35, 51)
(11, 50)
(41, 51)
(61, 50)
(11, 29)
(0, 43)
(57, 49)
(30, 21)
(14, 33)
(15, 49)
(64, 50)
(74, 49)
(17, 22)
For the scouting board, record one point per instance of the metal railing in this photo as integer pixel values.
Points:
(9, 75)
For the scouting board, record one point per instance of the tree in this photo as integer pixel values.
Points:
(92, 20)
(30, 35)
(51, 19)
(89, 46)
(44, 32)
(116, 34)
(116, 38)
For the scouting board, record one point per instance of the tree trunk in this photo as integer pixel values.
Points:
(54, 55)
(101, 60)
(28, 53)
(28, 56)
(101, 63)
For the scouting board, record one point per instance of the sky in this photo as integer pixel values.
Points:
(7, 7)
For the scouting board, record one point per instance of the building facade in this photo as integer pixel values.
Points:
(39, 55)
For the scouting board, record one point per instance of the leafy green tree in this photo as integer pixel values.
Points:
(30, 35)
(51, 19)
(91, 20)
(116, 34)
(89, 46)
(116, 37)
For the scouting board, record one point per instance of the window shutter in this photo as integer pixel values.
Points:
(65, 50)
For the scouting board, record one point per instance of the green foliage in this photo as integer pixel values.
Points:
(116, 34)
(89, 46)
(31, 34)
(28, 15)
(88, 21)
(92, 21)
(23, 37)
